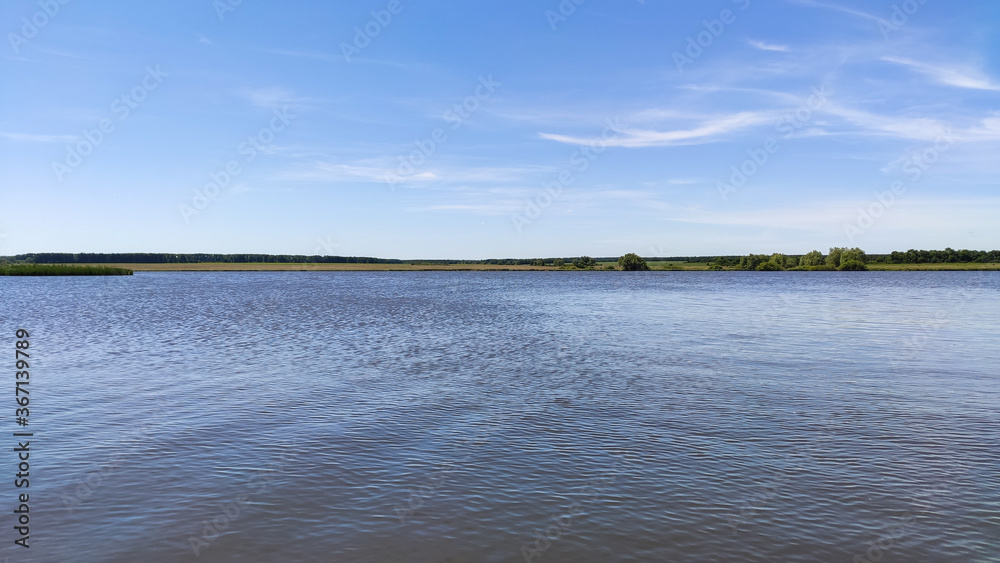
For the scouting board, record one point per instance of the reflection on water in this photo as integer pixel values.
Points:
(542, 416)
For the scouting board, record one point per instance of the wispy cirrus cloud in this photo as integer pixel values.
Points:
(380, 170)
(270, 98)
(339, 58)
(908, 128)
(768, 46)
(987, 130)
(836, 8)
(33, 138)
(319, 55)
(343, 172)
(706, 132)
(496, 208)
(950, 76)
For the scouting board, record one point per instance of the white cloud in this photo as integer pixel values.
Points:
(269, 98)
(330, 172)
(922, 129)
(498, 208)
(988, 130)
(964, 78)
(339, 58)
(381, 170)
(706, 132)
(31, 138)
(768, 46)
(837, 8)
(918, 129)
(827, 219)
(305, 54)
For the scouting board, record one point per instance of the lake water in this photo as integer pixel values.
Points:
(490, 417)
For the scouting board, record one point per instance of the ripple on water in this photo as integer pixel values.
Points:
(466, 416)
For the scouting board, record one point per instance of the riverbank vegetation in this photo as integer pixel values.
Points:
(631, 262)
(855, 259)
(60, 270)
(835, 259)
(846, 259)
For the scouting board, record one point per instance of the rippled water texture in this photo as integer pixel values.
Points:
(543, 416)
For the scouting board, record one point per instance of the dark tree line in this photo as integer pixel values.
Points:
(813, 259)
(857, 259)
(162, 258)
(946, 256)
(167, 258)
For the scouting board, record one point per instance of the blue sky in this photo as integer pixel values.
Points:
(499, 129)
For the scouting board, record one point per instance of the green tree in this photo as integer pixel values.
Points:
(854, 266)
(751, 261)
(631, 262)
(779, 260)
(855, 254)
(835, 257)
(559, 263)
(814, 258)
(584, 262)
(768, 267)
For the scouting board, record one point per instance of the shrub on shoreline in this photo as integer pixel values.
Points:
(632, 262)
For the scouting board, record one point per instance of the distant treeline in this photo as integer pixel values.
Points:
(945, 256)
(815, 258)
(855, 259)
(159, 258)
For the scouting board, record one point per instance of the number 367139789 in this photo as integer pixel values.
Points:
(21, 363)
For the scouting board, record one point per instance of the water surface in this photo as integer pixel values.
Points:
(489, 417)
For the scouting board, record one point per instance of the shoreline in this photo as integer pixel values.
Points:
(284, 267)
